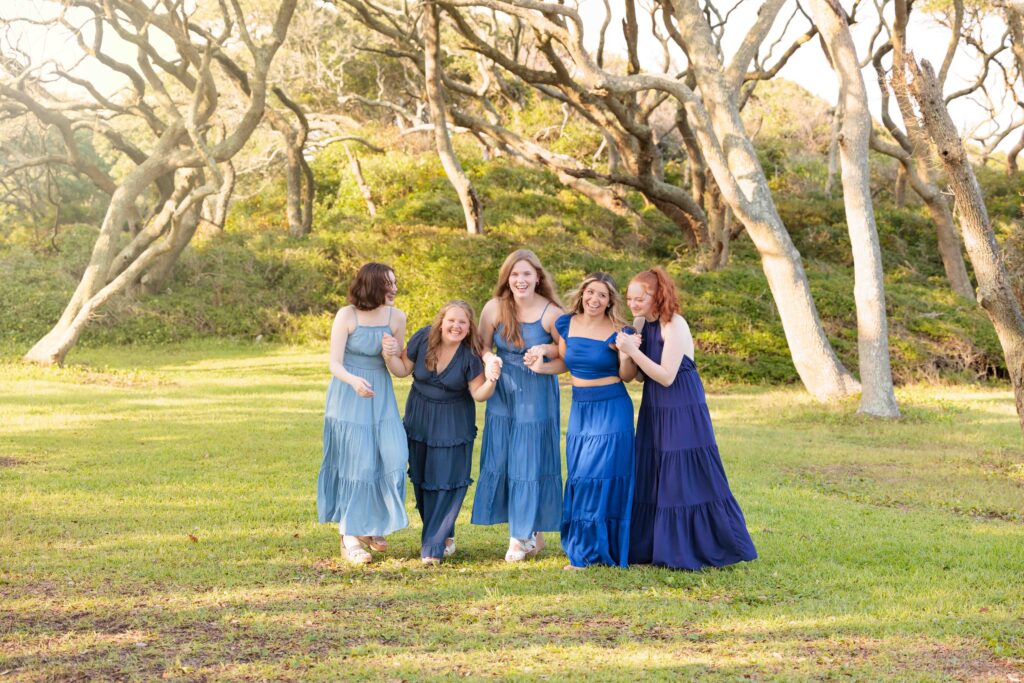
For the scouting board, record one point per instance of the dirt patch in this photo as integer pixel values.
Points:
(7, 461)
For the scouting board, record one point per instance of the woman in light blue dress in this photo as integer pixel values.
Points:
(520, 481)
(362, 477)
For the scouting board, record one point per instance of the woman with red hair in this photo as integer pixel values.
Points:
(684, 515)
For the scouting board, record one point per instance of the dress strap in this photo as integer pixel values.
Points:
(545, 310)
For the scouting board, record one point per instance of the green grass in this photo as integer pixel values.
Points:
(159, 521)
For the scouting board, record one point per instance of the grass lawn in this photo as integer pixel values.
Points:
(159, 521)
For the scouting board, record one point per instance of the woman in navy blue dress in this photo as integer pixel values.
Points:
(599, 442)
(440, 418)
(684, 515)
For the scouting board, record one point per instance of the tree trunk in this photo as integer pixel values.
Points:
(900, 187)
(471, 205)
(877, 397)
(995, 293)
(217, 208)
(733, 161)
(833, 146)
(293, 178)
(357, 172)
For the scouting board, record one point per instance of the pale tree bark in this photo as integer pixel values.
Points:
(364, 187)
(192, 136)
(734, 163)
(472, 207)
(877, 396)
(912, 154)
(995, 292)
(833, 147)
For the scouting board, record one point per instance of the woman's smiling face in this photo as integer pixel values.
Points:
(454, 325)
(522, 279)
(639, 300)
(389, 297)
(596, 297)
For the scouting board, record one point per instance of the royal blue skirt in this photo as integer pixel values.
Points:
(599, 488)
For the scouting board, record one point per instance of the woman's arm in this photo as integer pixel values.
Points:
(486, 328)
(627, 367)
(678, 343)
(555, 364)
(481, 388)
(400, 365)
(344, 323)
(395, 356)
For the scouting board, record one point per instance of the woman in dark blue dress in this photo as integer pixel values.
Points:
(440, 418)
(684, 515)
(599, 441)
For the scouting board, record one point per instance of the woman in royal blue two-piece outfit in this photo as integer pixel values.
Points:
(599, 441)
(520, 481)
(684, 514)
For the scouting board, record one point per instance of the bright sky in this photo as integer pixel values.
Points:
(808, 67)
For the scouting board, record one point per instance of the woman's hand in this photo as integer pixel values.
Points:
(628, 343)
(362, 388)
(389, 346)
(533, 361)
(492, 370)
(535, 352)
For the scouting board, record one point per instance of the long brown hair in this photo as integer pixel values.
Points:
(472, 339)
(369, 288)
(664, 299)
(503, 293)
(614, 310)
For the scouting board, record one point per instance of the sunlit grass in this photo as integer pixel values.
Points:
(159, 520)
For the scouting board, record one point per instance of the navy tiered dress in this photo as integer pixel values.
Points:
(440, 421)
(520, 466)
(598, 456)
(684, 515)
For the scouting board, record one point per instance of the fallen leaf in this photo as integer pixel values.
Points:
(193, 538)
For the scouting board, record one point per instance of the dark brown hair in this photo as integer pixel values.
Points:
(472, 339)
(503, 293)
(662, 289)
(369, 288)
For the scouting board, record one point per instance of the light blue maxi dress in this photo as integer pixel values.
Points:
(362, 477)
(520, 478)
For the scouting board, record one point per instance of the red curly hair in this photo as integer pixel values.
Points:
(662, 289)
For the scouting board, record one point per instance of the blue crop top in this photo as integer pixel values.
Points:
(588, 358)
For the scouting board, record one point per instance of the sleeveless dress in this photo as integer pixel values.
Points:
(684, 515)
(598, 455)
(362, 478)
(440, 422)
(520, 464)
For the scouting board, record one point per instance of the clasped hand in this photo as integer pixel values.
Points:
(492, 368)
(389, 346)
(628, 343)
(534, 357)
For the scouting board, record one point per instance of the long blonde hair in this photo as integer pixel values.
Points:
(472, 339)
(503, 293)
(614, 310)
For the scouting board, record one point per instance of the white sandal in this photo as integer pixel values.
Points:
(356, 554)
(537, 543)
(518, 550)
